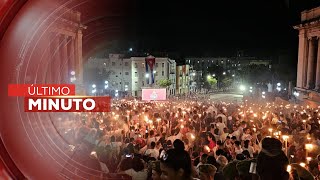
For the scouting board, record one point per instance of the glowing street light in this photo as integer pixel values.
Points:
(94, 86)
(224, 73)
(233, 75)
(278, 84)
(130, 49)
(147, 75)
(242, 87)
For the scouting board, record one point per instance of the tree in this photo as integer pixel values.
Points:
(164, 83)
(212, 82)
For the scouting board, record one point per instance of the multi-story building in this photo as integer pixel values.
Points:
(128, 75)
(183, 79)
(203, 63)
(164, 69)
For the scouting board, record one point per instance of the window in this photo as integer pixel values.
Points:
(142, 83)
(162, 73)
(126, 73)
(126, 64)
(113, 63)
(156, 64)
(135, 74)
(136, 82)
(135, 65)
(163, 65)
(126, 83)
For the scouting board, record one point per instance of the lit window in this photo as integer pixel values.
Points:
(162, 73)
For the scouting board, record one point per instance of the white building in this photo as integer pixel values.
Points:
(183, 79)
(129, 74)
(164, 69)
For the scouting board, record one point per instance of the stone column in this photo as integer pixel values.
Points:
(318, 67)
(310, 73)
(55, 68)
(50, 60)
(79, 63)
(71, 54)
(64, 60)
(302, 58)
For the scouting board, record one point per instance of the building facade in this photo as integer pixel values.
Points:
(128, 75)
(308, 71)
(203, 63)
(183, 79)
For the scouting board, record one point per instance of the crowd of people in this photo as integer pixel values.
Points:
(192, 139)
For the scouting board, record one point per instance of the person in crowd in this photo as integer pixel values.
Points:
(271, 161)
(203, 160)
(137, 171)
(207, 172)
(211, 140)
(248, 147)
(152, 152)
(237, 147)
(176, 165)
(154, 170)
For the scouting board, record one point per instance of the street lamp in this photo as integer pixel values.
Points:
(94, 86)
(224, 73)
(147, 75)
(278, 84)
(213, 75)
(233, 75)
(130, 49)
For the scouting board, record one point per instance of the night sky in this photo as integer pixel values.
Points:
(203, 28)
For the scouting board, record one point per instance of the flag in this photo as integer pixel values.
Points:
(150, 62)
